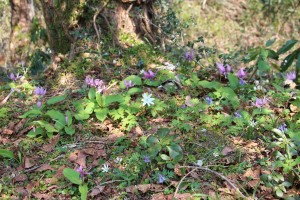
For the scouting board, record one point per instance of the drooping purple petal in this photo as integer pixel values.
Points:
(161, 178)
(221, 68)
(228, 69)
(291, 76)
(128, 84)
(40, 91)
(241, 73)
(147, 159)
(149, 75)
(39, 104)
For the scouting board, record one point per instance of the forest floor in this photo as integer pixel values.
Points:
(204, 134)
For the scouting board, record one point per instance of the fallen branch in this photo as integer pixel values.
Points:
(215, 173)
(7, 97)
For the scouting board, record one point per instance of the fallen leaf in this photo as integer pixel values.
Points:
(28, 163)
(51, 181)
(78, 157)
(254, 175)
(158, 196)
(7, 131)
(177, 170)
(20, 125)
(32, 185)
(184, 196)
(227, 150)
(44, 167)
(20, 178)
(52, 143)
(4, 140)
(188, 101)
(42, 196)
(59, 172)
(97, 190)
(21, 191)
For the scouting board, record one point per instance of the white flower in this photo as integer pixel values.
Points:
(216, 154)
(105, 168)
(199, 163)
(142, 71)
(118, 160)
(252, 123)
(147, 100)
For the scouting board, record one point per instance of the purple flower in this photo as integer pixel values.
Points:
(101, 89)
(189, 55)
(161, 178)
(13, 77)
(97, 83)
(128, 84)
(81, 172)
(237, 115)
(224, 70)
(40, 91)
(89, 80)
(67, 119)
(283, 127)
(208, 100)
(242, 82)
(147, 159)
(241, 73)
(260, 102)
(39, 104)
(149, 75)
(291, 76)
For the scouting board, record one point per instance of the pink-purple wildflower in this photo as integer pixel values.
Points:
(224, 70)
(13, 77)
(40, 91)
(241, 73)
(147, 159)
(38, 104)
(189, 55)
(260, 102)
(149, 75)
(81, 172)
(291, 76)
(97, 83)
(161, 178)
(128, 84)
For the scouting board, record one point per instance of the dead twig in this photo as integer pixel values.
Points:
(217, 174)
(98, 31)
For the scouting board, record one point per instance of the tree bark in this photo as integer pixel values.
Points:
(22, 12)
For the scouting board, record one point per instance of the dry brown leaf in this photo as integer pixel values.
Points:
(59, 172)
(7, 131)
(144, 188)
(51, 181)
(227, 150)
(11, 125)
(32, 185)
(20, 125)
(158, 196)
(97, 190)
(188, 101)
(28, 162)
(184, 196)
(20, 178)
(44, 167)
(78, 157)
(21, 191)
(52, 143)
(254, 174)
(4, 140)
(42, 196)
(177, 170)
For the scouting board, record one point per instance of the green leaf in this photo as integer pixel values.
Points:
(165, 157)
(46, 125)
(175, 152)
(57, 116)
(152, 83)
(72, 176)
(69, 130)
(287, 62)
(6, 153)
(162, 132)
(230, 95)
(134, 90)
(112, 99)
(81, 116)
(252, 54)
(263, 111)
(101, 113)
(33, 134)
(272, 54)
(263, 65)
(83, 189)
(270, 42)
(209, 85)
(279, 193)
(31, 113)
(287, 46)
(154, 149)
(298, 65)
(56, 99)
(92, 93)
(152, 140)
(136, 80)
(233, 81)
(69, 115)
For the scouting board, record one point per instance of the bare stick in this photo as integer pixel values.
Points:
(219, 175)
(7, 97)
(177, 188)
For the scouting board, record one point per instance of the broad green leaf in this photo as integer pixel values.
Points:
(152, 140)
(272, 54)
(81, 116)
(112, 99)
(92, 93)
(83, 189)
(298, 64)
(263, 111)
(154, 149)
(263, 65)
(46, 125)
(136, 80)
(69, 115)
(31, 113)
(287, 62)
(270, 42)
(279, 193)
(287, 46)
(101, 113)
(162, 132)
(70, 130)
(56, 99)
(252, 54)
(152, 83)
(229, 95)
(6, 153)
(134, 90)
(209, 85)
(33, 134)
(57, 116)
(233, 81)
(175, 152)
(72, 176)
(165, 157)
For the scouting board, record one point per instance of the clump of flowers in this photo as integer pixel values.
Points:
(97, 83)
(242, 74)
(40, 92)
(291, 76)
(149, 75)
(224, 70)
(13, 77)
(260, 102)
(189, 55)
(147, 100)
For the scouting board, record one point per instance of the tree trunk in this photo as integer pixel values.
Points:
(22, 12)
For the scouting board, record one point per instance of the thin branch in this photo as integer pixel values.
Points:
(177, 188)
(98, 31)
(219, 175)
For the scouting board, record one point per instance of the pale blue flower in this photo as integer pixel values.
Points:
(161, 178)
(147, 159)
